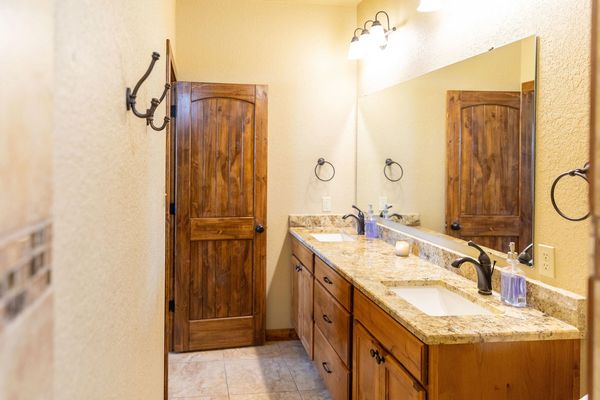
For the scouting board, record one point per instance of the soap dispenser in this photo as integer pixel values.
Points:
(513, 286)
(371, 228)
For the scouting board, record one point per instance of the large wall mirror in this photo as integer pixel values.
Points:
(459, 146)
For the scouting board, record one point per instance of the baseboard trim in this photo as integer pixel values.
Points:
(274, 335)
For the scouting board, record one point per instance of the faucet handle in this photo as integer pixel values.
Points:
(360, 213)
(483, 256)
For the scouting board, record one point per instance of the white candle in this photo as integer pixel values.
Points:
(402, 248)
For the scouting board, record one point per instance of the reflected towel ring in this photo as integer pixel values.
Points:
(580, 172)
(320, 162)
(388, 163)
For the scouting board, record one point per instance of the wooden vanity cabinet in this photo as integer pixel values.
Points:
(302, 294)
(322, 317)
(409, 369)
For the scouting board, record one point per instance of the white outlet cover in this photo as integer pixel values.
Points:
(326, 204)
(545, 260)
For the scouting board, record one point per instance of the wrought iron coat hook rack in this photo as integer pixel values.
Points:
(154, 103)
(580, 172)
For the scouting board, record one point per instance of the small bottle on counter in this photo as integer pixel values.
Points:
(371, 228)
(513, 286)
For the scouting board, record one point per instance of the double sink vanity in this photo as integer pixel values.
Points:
(379, 326)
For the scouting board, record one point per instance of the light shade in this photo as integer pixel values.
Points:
(430, 5)
(378, 34)
(365, 42)
(355, 51)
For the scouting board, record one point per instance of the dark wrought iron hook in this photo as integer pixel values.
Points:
(158, 128)
(154, 103)
(131, 95)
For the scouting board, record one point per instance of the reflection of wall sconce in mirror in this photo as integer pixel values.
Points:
(320, 162)
(370, 39)
(580, 172)
(389, 163)
(149, 114)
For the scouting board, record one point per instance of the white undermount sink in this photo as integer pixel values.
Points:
(438, 301)
(333, 237)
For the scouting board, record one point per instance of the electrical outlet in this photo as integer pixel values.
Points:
(546, 260)
(326, 204)
(382, 202)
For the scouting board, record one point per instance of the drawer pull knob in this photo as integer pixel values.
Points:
(326, 368)
(327, 280)
(378, 358)
(327, 319)
(298, 268)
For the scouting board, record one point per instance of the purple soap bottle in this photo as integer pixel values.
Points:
(513, 286)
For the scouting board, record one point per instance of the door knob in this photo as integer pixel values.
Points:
(455, 226)
(259, 228)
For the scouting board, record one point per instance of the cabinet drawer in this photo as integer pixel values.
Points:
(396, 339)
(334, 283)
(304, 255)
(331, 368)
(334, 321)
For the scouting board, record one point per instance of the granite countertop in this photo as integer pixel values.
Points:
(373, 268)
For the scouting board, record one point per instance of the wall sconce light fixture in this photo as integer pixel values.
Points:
(429, 6)
(370, 39)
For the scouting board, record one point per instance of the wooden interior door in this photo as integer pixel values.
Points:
(489, 168)
(221, 189)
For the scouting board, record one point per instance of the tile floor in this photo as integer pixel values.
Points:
(275, 371)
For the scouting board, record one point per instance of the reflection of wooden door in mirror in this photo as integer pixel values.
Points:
(220, 247)
(489, 196)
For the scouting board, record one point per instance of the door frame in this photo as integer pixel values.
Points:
(171, 78)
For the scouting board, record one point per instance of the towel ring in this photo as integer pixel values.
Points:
(388, 163)
(580, 172)
(320, 162)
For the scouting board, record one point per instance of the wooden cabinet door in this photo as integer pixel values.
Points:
(366, 372)
(490, 160)
(398, 383)
(305, 319)
(220, 215)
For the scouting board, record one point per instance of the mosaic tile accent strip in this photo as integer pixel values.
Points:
(25, 269)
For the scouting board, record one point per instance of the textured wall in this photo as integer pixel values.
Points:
(465, 28)
(299, 50)
(109, 201)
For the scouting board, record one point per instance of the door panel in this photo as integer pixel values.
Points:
(306, 310)
(220, 204)
(399, 384)
(489, 156)
(366, 373)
